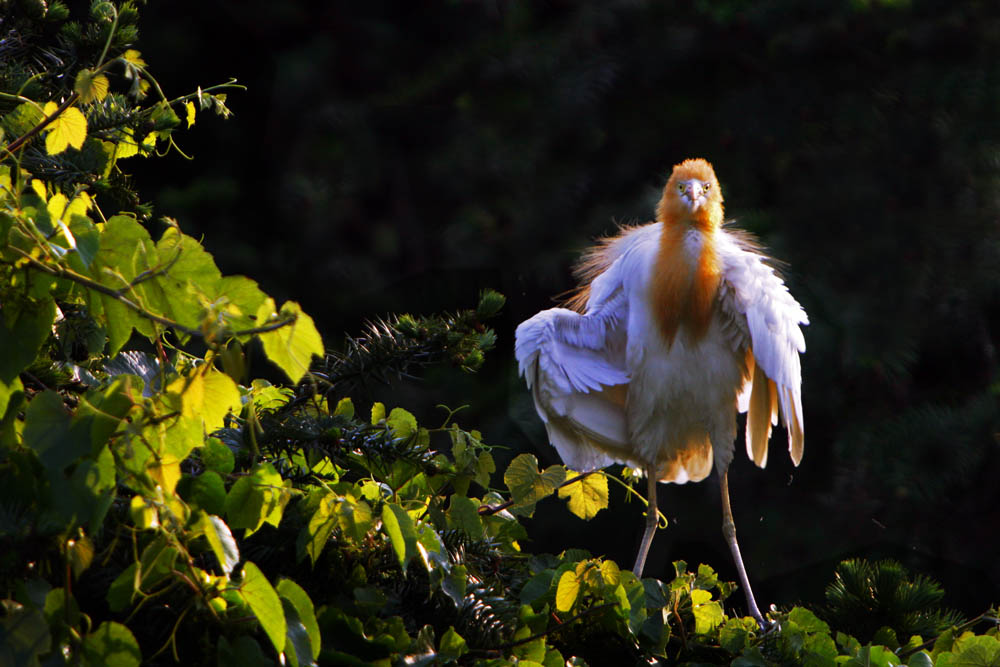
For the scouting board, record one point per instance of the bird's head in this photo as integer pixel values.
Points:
(692, 195)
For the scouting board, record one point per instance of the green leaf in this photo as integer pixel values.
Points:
(24, 636)
(68, 129)
(265, 604)
(354, 516)
(345, 408)
(220, 538)
(257, 499)
(217, 456)
(402, 423)
(320, 527)
(121, 243)
(292, 346)
(298, 647)
(402, 533)
(537, 586)
(23, 331)
(190, 279)
(873, 656)
(920, 659)
(299, 599)
(90, 85)
(707, 613)
(111, 645)
(452, 644)
(463, 513)
(528, 486)
(567, 591)
(207, 397)
(245, 299)
(47, 432)
(208, 492)
(588, 496)
(120, 592)
(807, 620)
(976, 651)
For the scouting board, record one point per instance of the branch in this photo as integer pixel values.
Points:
(490, 510)
(24, 138)
(69, 274)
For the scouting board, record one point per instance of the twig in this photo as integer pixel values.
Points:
(24, 138)
(69, 274)
(489, 510)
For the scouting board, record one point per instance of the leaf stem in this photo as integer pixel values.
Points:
(489, 510)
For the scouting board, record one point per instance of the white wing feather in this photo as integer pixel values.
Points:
(573, 363)
(759, 302)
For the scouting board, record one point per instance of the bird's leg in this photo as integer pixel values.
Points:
(652, 518)
(729, 531)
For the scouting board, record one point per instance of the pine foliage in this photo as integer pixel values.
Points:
(866, 598)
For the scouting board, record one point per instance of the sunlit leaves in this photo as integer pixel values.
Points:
(299, 612)
(220, 538)
(707, 612)
(207, 397)
(292, 346)
(568, 590)
(588, 496)
(90, 86)
(111, 644)
(69, 128)
(348, 513)
(402, 532)
(257, 499)
(527, 485)
(265, 604)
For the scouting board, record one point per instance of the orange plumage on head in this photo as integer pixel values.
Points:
(687, 274)
(672, 208)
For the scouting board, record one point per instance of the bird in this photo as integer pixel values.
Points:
(676, 327)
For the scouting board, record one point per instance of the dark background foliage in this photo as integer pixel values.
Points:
(400, 156)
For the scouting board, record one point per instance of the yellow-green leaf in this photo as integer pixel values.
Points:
(707, 613)
(345, 408)
(402, 532)
(588, 496)
(265, 604)
(68, 129)
(189, 107)
(221, 539)
(292, 346)
(207, 397)
(90, 86)
(567, 591)
(143, 513)
(402, 423)
(526, 484)
(611, 573)
(134, 57)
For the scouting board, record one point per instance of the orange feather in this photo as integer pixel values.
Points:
(684, 286)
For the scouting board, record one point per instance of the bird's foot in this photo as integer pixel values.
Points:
(767, 626)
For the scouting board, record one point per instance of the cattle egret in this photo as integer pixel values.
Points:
(677, 325)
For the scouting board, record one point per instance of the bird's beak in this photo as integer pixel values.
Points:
(694, 193)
